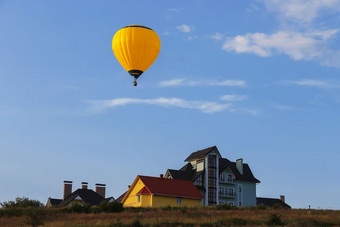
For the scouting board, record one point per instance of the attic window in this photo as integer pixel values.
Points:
(138, 198)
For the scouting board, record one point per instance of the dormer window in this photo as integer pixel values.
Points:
(230, 178)
(222, 177)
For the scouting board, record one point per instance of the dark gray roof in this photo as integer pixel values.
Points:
(87, 195)
(247, 174)
(200, 153)
(54, 202)
(119, 199)
(271, 202)
(185, 173)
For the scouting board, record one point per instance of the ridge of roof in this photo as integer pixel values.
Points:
(247, 173)
(171, 187)
(199, 153)
(87, 195)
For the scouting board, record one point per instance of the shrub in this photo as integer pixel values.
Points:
(35, 216)
(275, 219)
(79, 208)
(226, 207)
(111, 207)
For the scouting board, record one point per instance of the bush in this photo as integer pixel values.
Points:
(35, 216)
(275, 219)
(111, 207)
(79, 208)
(226, 207)
(21, 202)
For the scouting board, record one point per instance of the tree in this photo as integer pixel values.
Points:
(21, 202)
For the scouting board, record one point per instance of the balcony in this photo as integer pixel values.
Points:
(228, 194)
(226, 181)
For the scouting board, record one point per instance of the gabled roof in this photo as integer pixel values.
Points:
(247, 174)
(120, 198)
(201, 153)
(185, 173)
(171, 187)
(54, 202)
(87, 195)
(270, 202)
(165, 187)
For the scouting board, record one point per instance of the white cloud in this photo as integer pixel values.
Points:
(297, 45)
(98, 106)
(184, 28)
(301, 11)
(193, 83)
(217, 36)
(314, 83)
(233, 98)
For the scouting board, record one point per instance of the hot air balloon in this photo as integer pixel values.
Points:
(136, 47)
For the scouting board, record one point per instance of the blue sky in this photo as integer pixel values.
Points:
(258, 79)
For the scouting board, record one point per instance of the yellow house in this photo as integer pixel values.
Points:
(148, 191)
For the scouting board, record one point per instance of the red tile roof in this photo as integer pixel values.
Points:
(144, 191)
(171, 187)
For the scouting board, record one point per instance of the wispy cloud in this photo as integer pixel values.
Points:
(233, 98)
(282, 107)
(184, 28)
(217, 36)
(193, 83)
(301, 11)
(98, 106)
(175, 10)
(297, 45)
(314, 83)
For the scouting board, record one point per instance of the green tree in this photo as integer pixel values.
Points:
(21, 202)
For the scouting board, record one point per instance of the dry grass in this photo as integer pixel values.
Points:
(185, 217)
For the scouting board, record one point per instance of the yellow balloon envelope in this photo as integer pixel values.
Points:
(136, 47)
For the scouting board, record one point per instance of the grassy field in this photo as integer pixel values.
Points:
(212, 216)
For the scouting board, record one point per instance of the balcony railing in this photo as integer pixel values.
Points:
(226, 181)
(228, 194)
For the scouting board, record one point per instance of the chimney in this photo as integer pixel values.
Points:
(161, 176)
(239, 165)
(67, 188)
(84, 185)
(100, 189)
(282, 198)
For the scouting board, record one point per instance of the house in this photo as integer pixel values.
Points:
(82, 195)
(148, 191)
(220, 180)
(272, 202)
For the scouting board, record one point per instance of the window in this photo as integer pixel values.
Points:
(212, 172)
(212, 196)
(230, 178)
(221, 191)
(222, 177)
(179, 200)
(222, 202)
(212, 183)
(230, 192)
(212, 161)
(199, 181)
(138, 198)
(231, 203)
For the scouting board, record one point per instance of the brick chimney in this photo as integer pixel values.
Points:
(282, 198)
(84, 185)
(67, 188)
(239, 165)
(100, 189)
(161, 176)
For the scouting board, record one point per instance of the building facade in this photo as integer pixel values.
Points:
(220, 181)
